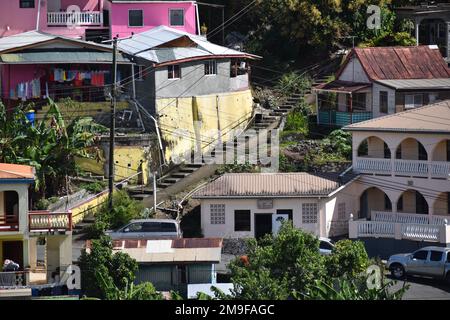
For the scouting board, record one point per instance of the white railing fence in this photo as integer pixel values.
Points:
(74, 18)
(421, 232)
(407, 218)
(376, 229)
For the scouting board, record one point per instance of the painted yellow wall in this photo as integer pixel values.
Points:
(128, 163)
(224, 111)
(82, 109)
(79, 212)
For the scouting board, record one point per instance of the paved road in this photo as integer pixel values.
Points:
(425, 289)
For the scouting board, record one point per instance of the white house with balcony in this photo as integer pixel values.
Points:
(374, 82)
(20, 229)
(403, 161)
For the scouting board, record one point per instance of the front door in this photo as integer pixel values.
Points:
(13, 250)
(263, 224)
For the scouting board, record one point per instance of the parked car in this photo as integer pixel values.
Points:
(326, 246)
(147, 228)
(429, 261)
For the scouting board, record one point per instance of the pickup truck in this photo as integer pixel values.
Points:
(429, 261)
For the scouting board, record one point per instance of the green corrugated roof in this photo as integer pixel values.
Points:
(60, 57)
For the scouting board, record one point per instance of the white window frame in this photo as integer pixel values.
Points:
(217, 213)
(211, 68)
(173, 71)
(170, 15)
(413, 104)
(309, 217)
(143, 23)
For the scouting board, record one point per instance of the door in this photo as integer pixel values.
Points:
(263, 225)
(13, 250)
(278, 219)
(435, 264)
(364, 205)
(418, 261)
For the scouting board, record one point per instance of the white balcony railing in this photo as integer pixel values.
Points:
(402, 226)
(89, 18)
(432, 169)
(45, 221)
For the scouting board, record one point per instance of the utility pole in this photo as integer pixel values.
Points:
(155, 174)
(112, 133)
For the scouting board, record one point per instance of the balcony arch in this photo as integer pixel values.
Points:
(441, 204)
(374, 147)
(413, 201)
(373, 199)
(9, 213)
(411, 149)
(441, 151)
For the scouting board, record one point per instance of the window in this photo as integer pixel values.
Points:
(135, 227)
(359, 101)
(159, 227)
(217, 212)
(384, 102)
(135, 18)
(174, 72)
(309, 213)
(436, 256)
(139, 73)
(342, 214)
(238, 68)
(25, 4)
(211, 67)
(242, 220)
(413, 101)
(176, 17)
(420, 255)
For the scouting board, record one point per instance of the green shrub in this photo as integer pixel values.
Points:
(298, 122)
(348, 258)
(292, 82)
(94, 187)
(42, 204)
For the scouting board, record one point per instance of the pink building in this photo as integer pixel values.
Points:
(95, 19)
(133, 16)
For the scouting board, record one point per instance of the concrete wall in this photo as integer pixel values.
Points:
(194, 82)
(215, 112)
(227, 230)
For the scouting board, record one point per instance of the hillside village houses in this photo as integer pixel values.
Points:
(396, 195)
(373, 82)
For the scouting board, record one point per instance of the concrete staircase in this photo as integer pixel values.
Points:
(186, 171)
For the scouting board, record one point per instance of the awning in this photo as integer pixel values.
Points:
(342, 86)
(51, 57)
(417, 84)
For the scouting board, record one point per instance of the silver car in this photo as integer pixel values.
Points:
(429, 261)
(148, 229)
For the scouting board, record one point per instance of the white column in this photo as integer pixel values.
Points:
(416, 27)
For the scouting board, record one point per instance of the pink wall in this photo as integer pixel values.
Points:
(155, 14)
(19, 20)
(12, 75)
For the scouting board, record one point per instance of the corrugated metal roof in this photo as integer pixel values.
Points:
(272, 185)
(434, 118)
(416, 84)
(24, 39)
(181, 250)
(15, 171)
(55, 56)
(144, 45)
(416, 62)
(342, 86)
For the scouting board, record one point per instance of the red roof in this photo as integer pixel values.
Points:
(15, 171)
(384, 63)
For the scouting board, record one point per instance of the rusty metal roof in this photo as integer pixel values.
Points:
(434, 118)
(342, 86)
(417, 62)
(271, 185)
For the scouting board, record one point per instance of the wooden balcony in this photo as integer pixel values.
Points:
(88, 18)
(46, 221)
(402, 226)
(430, 169)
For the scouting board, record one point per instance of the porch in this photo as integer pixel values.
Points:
(340, 103)
(74, 13)
(401, 226)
